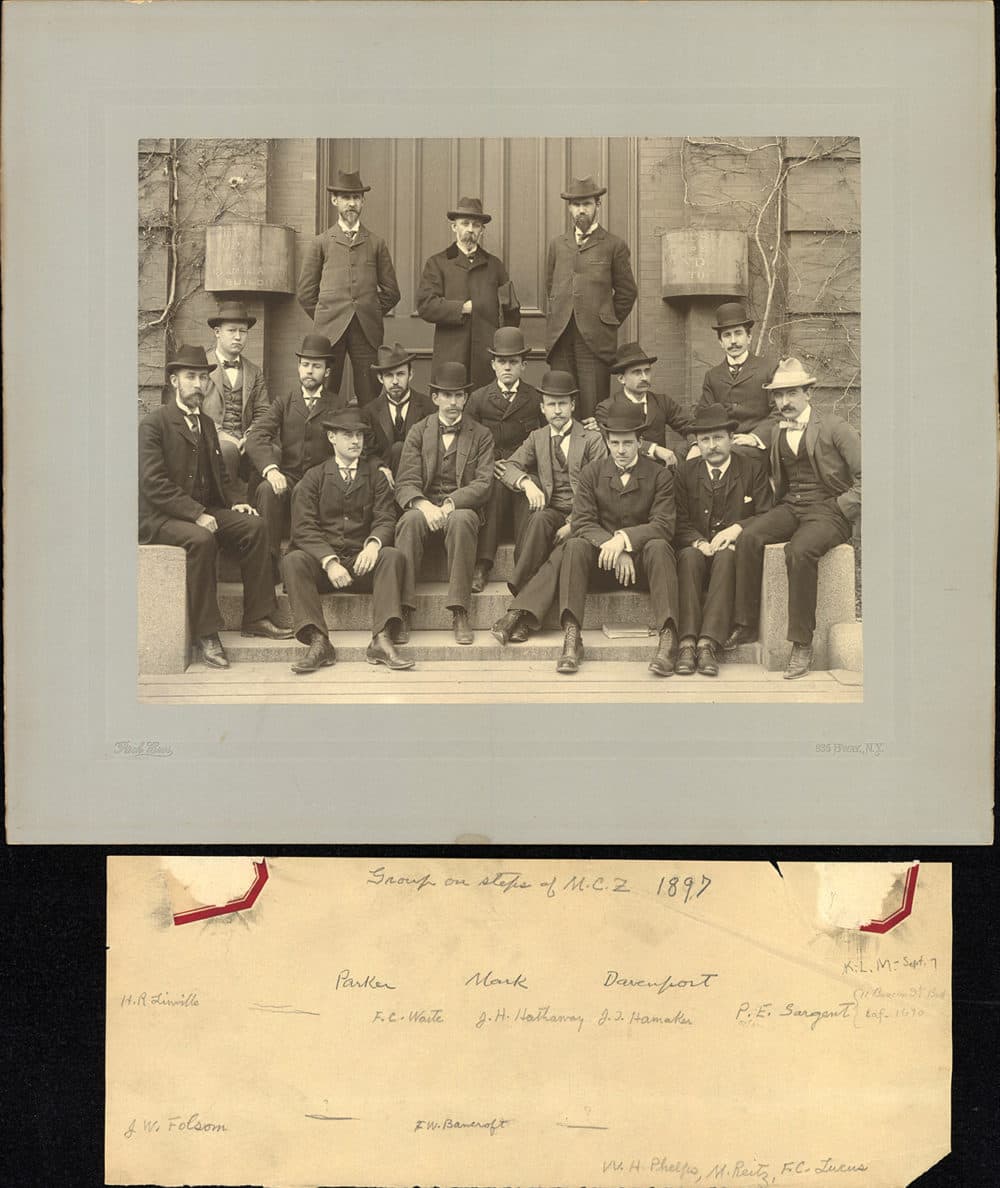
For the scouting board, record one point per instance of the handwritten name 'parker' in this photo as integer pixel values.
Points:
(701, 982)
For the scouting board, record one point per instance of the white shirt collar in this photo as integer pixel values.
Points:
(452, 428)
(722, 469)
(624, 469)
(404, 399)
(802, 418)
(740, 361)
(559, 433)
(581, 235)
(636, 399)
(344, 227)
(513, 389)
(307, 396)
(344, 465)
(188, 412)
(465, 253)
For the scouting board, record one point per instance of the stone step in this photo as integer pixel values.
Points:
(428, 646)
(434, 567)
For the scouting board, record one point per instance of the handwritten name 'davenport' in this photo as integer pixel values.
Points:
(701, 982)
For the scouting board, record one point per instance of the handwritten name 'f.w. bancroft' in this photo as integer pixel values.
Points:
(701, 982)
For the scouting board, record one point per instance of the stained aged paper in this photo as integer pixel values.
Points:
(306, 1021)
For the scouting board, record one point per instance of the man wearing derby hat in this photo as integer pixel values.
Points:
(237, 396)
(443, 483)
(715, 492)
(290, 437)
(396, 409)
(183, 502)
(347, 284)
(633, 370)
(816, 468)
(591, 290)
(739, 382)
(343, 517)
(545, 471)
(508, 407)
(466, 294)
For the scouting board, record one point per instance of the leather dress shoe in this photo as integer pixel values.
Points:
(460, 625)
(402, 633)
(799, 662)
(708, 662)
(572, 653)
(687, 662)
(662, 664)
(267, 630)
(480, 576)
(503, 629)
(381, 651)
(320, 654)
(739, 635)
(210, 650)
(521, 633)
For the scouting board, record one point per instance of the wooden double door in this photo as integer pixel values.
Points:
(519, 179)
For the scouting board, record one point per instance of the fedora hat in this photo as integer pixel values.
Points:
(315, 346)
(713, 416)
(558, 383)
(189, 356)
(469, 208)
(348, 183)
(790, 374)
(623, 416)
(582, 187)
(449, 377)
(232, 311)
(508, 340)
(630, 354)
(387, 358)
(732, 313)
(348, 419)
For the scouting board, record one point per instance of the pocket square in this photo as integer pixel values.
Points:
(748, 499)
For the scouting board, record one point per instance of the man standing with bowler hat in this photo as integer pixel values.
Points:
(343, 517)
(591, 290)
(633, 370)
(347, 285)
(443, 483)
(182, 502)
(816, 467)
(467, 295)
(508, 408)
(715, 492)
(396, 409)
(290, 438)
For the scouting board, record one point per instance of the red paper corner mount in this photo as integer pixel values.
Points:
(900, 914)
(234, 905)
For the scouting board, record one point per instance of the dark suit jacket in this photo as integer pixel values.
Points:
(594, 283)
(168, 451)
(380, 440)
(448, 281)
(746, 493)
(339, 279)
(509, 422)
(473, 466)
(661, 411)
(744, 398)
(534, 458)
(327, 517)
(254, 392)
(290, 437)
(644, 509)
(835, 449)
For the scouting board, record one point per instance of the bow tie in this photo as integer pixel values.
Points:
(231, 363)
(446, 429)
(791, 425)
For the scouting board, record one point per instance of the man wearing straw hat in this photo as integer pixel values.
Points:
(443, 483)
(183, 502)
(591, 290)
(347, 284)
(467, 295)
(395, 410)
(290, 438)
(816, 469)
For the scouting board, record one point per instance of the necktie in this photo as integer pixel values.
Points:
(448, 430)
(625, 475)
(310, 402)
(795, 426)
(347, 474)
(734, 369)
(193, 423)
(508, 394)
(350, 235)
(561, 441)
(716, 476)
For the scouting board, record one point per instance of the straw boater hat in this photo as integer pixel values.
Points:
(732, 313)
(558, 383)
(630, 354)
(315, 346)
(469, 208)
(449, 377)
(232, 311)
(348, 183)
(790, 374)
(507, 342)
(389, 358)
(348, 420)
(624, 416)
(713, 416)
(189, 356)
(582, 187)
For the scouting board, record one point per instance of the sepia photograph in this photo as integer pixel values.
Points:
(499, 419)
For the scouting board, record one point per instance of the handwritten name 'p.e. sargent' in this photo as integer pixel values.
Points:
(701, 982)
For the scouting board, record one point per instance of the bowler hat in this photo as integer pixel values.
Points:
(386, 358)
(508, 340)
(449, 377)
(315, 346)
(558, 383)
(630, 354)
(469, 208)
(583, 187)
(348, 183)
(624, 416)
(189, 356)
(713, 416)
(732, 313)
(232, 311)
(348, 419)
(790, 374)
